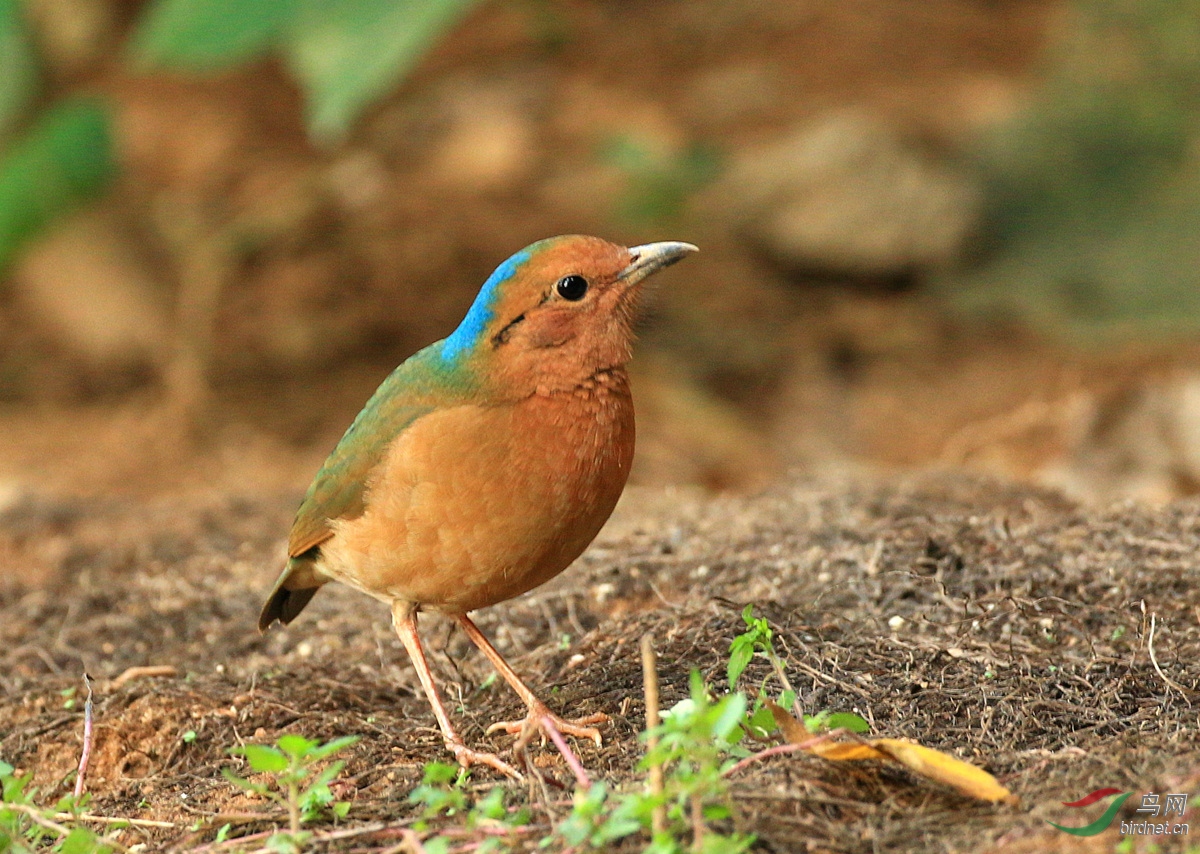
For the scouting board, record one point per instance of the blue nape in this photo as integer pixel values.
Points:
(468, 333)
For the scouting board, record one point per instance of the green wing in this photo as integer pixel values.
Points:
(410, 392)
(337, 490)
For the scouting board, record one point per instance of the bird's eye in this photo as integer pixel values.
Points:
(572, 287)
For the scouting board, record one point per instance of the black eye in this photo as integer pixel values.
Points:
(572, 287)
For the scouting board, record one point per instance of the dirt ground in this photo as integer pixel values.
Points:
(1058, 647)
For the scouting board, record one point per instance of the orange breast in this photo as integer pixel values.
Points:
(473, 505)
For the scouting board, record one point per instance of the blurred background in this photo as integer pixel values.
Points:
(956, 233)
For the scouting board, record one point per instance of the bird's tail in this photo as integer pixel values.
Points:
(293, 589)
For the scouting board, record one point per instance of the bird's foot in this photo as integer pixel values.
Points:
(467, 757)
(535, 722)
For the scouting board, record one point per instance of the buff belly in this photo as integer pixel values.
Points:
(474, 505)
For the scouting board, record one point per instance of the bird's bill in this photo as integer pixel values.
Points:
(652, 257)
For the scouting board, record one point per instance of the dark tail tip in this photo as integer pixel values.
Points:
(284, 605)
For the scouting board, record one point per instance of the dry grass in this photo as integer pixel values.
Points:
(1000, 624)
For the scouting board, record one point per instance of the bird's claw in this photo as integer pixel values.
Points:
(533, 723)
(467, 757)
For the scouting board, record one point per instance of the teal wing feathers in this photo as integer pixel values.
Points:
(337, 492)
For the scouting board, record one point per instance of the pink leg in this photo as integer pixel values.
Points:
(404, 618)
(538, 710)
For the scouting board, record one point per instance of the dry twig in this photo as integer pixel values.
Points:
(87, 738)
(131, 674)
(1154, 658)
(658, 818)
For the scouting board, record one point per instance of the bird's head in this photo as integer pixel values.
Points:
(556, 313)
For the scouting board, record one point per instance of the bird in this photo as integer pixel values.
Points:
(486, 462)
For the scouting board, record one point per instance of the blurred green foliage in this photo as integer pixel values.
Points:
(18, 82)
(65, 157)
(209, 35)
(345, 53)
(1093, 220)
(349, 52)
(658, 183)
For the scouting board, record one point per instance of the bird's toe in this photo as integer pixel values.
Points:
(536, 720)
(467, 757)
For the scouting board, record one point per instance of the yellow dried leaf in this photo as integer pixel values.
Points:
(845, 751)
(924, 761)
(971, 781)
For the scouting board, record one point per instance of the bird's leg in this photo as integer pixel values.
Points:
(404, 618)
(539, 713)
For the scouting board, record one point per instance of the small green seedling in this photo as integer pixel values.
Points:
(760, 722)
(294, 781)
(26, 827)
(437, 793)
(697, 742)
(441, 794)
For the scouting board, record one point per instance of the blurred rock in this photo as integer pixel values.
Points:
(490, 140)
(1138, 442)
(73, 34)
(298, 312)
(846, 195)
(94, 295)
(738, 92)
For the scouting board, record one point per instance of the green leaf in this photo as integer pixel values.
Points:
(492, 805)
(762, 722)
(81, 841)
(65, 158)
(730, 711)
(263, 758)
(332, 747)
(439, 773)
(242, 783)
(349, 52)
(847, 720)
(740, 653)
(327, 776)
(296, 746)
(816, 723)
(209, 35)
(18, 82)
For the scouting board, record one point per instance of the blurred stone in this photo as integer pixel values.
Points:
(297, 312)
(281, 202)
(490, 139)
(739, 92)
(846, 195)
(1138, 442)
(358, 180)
(73, 34)
(96, 297)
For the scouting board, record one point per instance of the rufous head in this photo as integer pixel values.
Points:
(556, 313)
